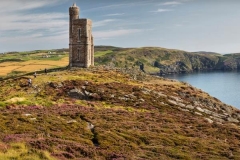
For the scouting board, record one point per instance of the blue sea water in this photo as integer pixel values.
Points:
(223, 85)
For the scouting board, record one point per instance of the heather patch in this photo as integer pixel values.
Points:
(101, 113)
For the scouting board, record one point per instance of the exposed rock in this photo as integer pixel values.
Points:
(87, 93)
(200, 109)
(60, 85)
(146, 91)
(173, 102)
(218, 115)
(94, 96)
(228, 109)
(207, 111)
(197, 113)
(209, 120)
(163, 103)
(90, 126)
(181, 104)
(142, 100)
(160, 94)
(217, 119)
(130, 96)
(83, 87)
(189, 107)
(76, 93)
(196, 103)
(176, 98)
(230, 119)
(123, 98)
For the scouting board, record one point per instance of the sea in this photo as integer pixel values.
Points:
(224, 85)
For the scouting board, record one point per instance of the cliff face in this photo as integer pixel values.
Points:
(166, 60)
(113, 113)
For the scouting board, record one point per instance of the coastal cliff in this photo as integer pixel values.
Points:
(165, 61)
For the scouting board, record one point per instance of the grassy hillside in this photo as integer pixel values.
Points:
(154, 59)
(157, 59)
(113, 113)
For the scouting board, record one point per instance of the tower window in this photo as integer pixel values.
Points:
(79, 34)
(78, 55)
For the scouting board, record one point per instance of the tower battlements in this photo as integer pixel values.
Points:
(81, 48)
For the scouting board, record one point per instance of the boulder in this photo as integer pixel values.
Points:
(76, 93)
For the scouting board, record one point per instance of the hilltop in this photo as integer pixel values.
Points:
(113, 113)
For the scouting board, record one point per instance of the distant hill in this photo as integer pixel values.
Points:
(152, 60)
(156, 59)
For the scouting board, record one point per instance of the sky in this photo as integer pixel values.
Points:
(190, 25)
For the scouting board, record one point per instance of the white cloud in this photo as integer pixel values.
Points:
(170, 3)
(21, 22)
(105, 7)
(161, 10)
(114, 33)
(23, 5)
(121, 5)
(21, 25)
(114, 14)
(103, 22)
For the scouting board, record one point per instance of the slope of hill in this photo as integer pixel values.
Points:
(165, 60)
(113, 113)
(151, 59)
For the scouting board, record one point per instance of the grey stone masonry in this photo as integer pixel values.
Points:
(81, 47)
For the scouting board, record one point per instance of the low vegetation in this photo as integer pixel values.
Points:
(113, 113)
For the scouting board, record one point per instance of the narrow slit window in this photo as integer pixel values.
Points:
(79, 34)
(78, 55)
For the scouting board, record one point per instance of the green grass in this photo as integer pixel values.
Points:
(102, 53)
(18, 151)
(31, 55)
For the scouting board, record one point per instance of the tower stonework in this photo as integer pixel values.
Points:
(81, 47)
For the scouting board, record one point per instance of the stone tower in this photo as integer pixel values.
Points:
(81, 48)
